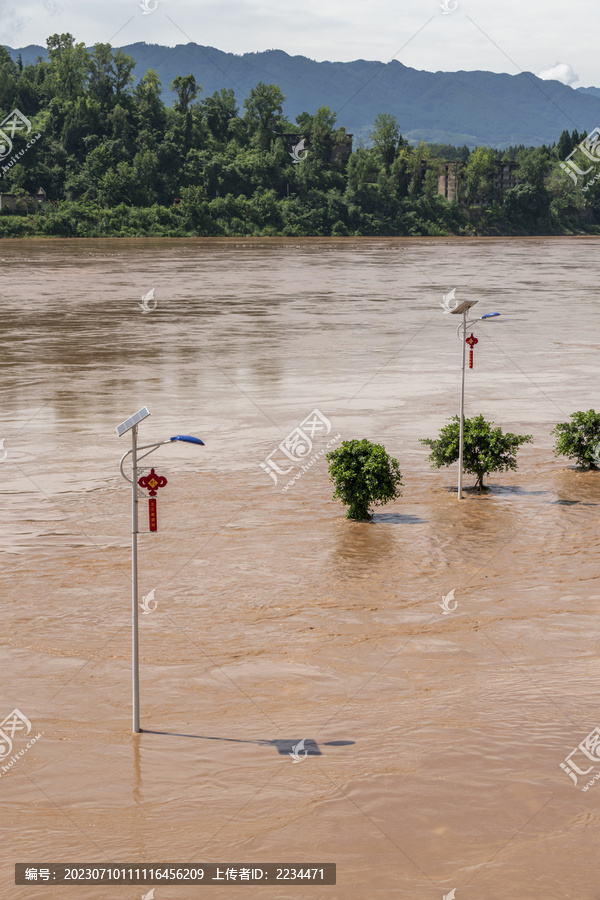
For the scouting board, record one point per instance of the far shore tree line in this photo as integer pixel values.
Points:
(364, 474)
(113, 159)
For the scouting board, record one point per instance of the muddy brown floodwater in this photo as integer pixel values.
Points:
(436, 739)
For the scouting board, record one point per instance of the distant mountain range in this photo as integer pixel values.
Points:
(595, 92)
(441, 107)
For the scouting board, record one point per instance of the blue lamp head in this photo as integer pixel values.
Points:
(187, 438)
(490, 315)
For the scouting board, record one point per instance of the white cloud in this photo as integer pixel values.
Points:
(560, 72)
(12, 24)
(494, 37)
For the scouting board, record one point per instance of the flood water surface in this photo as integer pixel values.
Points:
(436, 730)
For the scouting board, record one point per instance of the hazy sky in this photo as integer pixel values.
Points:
(543, 36)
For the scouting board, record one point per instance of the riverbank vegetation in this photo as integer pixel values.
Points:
(115, 161)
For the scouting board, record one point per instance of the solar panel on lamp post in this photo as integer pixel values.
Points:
(462, 309)
(131, 424)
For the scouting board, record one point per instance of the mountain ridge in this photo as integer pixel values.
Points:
(462, 107)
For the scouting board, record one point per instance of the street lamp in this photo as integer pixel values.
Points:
(462, 309)
(131, 424)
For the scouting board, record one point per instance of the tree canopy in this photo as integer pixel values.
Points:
(363, 475)
(485, 449)
(579, 439)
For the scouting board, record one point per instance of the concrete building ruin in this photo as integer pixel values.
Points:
(504, 178)
(23, 204)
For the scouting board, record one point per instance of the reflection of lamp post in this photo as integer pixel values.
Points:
(132, 424)
(462, 308)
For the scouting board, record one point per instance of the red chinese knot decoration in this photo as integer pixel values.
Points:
(152, 483)
(471, 341)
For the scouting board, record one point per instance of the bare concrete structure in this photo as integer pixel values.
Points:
(23, 204)
(451, 174)
(505, 177)
(448, 180)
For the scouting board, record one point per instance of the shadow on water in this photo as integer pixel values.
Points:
(398, 519)
(284, 747)
(491, 490)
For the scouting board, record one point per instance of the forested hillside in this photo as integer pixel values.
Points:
(114, 159)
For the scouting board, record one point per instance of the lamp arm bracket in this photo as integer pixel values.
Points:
(152, 447)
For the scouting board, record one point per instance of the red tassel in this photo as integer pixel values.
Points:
(152, 513)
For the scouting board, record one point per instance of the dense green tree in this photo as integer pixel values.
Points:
(264, 112)
(386, 138)
(321, 133)
(220, 113)
(486, 449)
(186, 89)
(478, 186)
(534, 165)
(9, 77)
(449, 152)
(564, 146)
(123, 66)
(528, 204)
(579, 439)
(69, 66)
(150, 109)
(362, 169)
(101, 79)
(363, 475)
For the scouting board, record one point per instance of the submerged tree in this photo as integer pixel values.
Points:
(486, 449)
(363, 474)
(579, 439)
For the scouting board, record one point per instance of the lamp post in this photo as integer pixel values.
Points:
(462, 309)
(131, 424)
